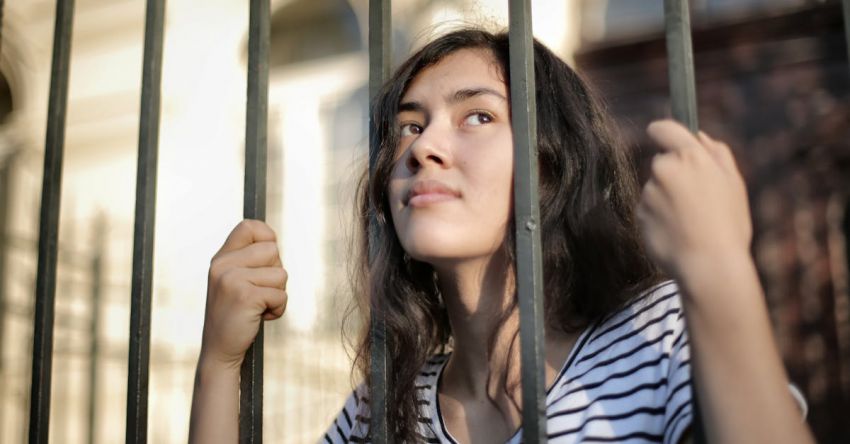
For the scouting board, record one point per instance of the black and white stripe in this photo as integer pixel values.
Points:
(627, 380)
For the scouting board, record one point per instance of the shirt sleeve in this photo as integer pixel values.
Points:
(678, 413)
(352, 423)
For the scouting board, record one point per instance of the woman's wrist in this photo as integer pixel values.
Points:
(696, 273)
(212, 366)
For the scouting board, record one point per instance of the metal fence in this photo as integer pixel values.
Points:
(529, 267)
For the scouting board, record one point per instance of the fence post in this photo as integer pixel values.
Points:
(529, 271)
(48, 239)
(380, 38)
(846, 7)
(680, 65)
(256, 148)
(5, 203)
(143, 236)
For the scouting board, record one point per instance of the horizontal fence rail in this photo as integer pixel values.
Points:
(529, 274)
(48, 235)
(138, 374)
(256, 163)
(380, 26)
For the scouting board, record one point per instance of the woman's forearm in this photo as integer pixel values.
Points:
(215, 404)
(740, 379)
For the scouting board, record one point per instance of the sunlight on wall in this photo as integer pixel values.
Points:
(199, 200)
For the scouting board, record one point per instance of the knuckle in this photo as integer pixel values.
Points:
(230, 280)
(660, 165)
(216, 268)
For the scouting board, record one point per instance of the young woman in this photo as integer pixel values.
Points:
(618, 359)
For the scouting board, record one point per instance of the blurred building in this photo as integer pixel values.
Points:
(773, 80)
(317, 149)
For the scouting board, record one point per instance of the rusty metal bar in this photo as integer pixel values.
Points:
(256, 164)
(380, 51)
(48, 236)
(143, 235)
(529, 271)
(680, 66)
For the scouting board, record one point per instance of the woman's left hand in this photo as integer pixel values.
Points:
(693, 208)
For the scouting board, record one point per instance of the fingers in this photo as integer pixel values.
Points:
(247, 232)
(263, 288)
(274, 300)
(671, 136)
(271, 277)
(261, 254)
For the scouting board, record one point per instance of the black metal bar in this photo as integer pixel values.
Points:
(94, 326)
(680, 63)
(380, 41)
(680, 66)
(48, 236)
(143, 235)
(6, 168)
(846, 7)
(256, 159)
(529, 268)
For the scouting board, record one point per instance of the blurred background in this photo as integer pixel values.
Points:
(773, 80)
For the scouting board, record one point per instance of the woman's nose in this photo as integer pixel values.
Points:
(429, 149)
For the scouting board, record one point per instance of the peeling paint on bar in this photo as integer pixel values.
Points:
(527, 214)
(143, 237)
(380, 35)
(48, 235)
(256, 148)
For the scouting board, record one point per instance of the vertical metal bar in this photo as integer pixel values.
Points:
(94, 325)
(256, 158)
(48, 236)
(680, 66)
(680, 63)
(143, 236)
(380, 27)
(529, 271)
(846, 7)
(6, 168)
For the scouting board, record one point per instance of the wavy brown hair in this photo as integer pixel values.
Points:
(593, 259)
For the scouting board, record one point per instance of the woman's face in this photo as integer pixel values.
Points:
(450, 188)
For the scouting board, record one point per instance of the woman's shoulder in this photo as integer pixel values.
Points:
(659, 303)
(634, 362)
(352, 422)
(651, 323)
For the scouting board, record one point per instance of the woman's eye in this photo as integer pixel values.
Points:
(475, 119)
(410, 129)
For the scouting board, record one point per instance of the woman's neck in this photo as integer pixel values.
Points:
(479, 296)
(485, 364)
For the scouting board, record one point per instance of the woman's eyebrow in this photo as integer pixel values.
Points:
(453, 98)
(411, 107)
(468, 93)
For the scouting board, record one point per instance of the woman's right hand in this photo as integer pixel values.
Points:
(246, 284)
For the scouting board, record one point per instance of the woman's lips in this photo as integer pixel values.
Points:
(427, 192)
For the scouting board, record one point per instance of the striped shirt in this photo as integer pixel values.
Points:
(627, 380)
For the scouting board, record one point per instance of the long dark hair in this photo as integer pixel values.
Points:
(593, 258)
